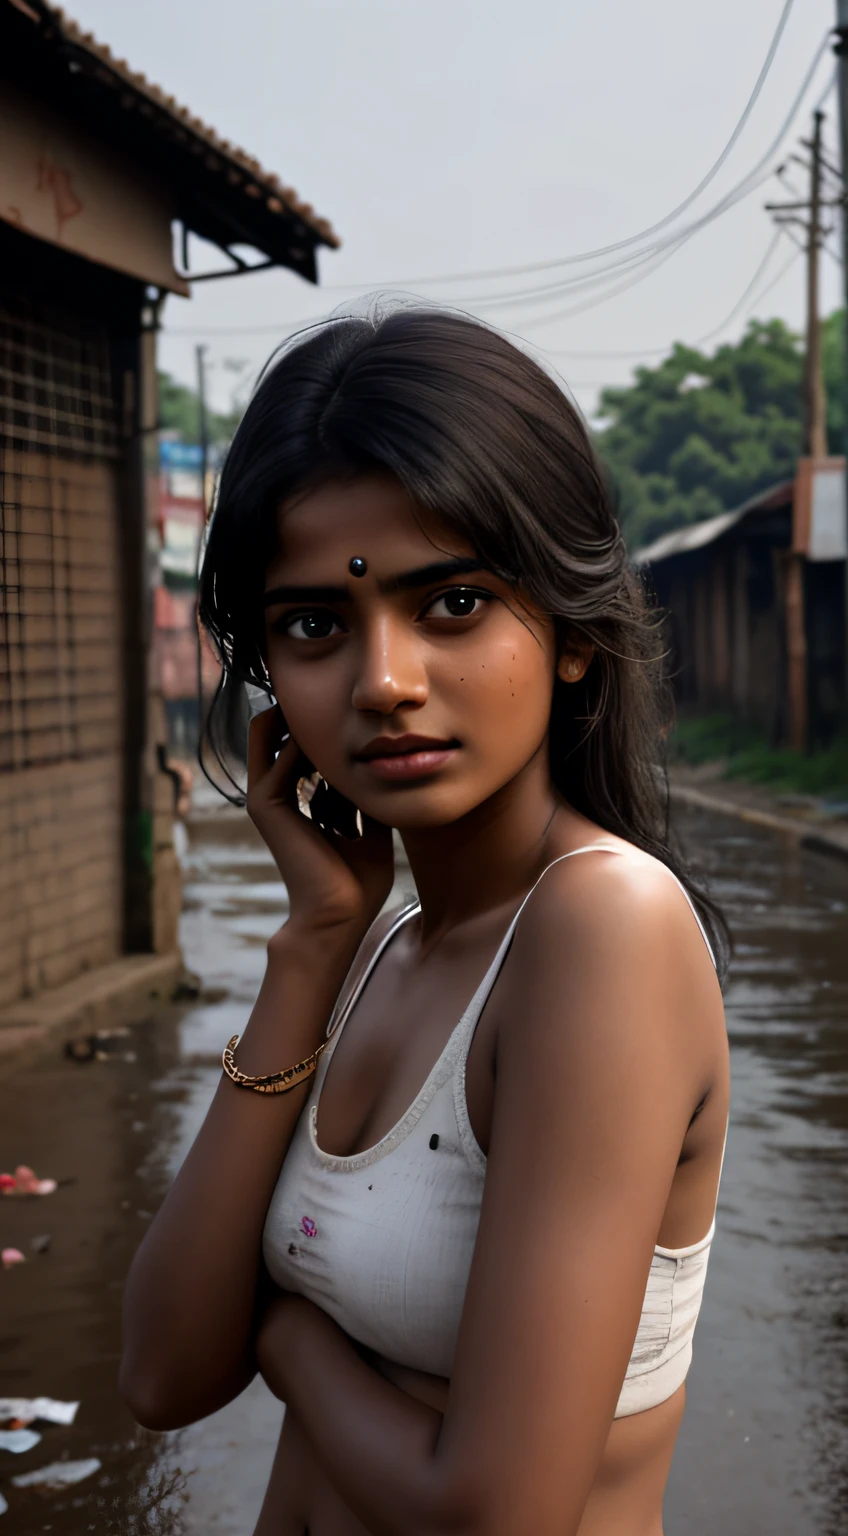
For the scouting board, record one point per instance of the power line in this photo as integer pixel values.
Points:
(586, 280)
(733, 313)
(671, 243)
(747, 183)
(652, 259)
(606, 250)
(663, 351)
(729, 200)
(774, 281)
(740, 303)
(831, 84)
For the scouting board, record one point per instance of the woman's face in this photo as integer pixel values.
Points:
(419, 688)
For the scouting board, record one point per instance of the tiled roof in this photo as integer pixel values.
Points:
(265, 196)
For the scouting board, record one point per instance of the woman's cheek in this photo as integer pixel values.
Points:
(310, 710)
(508, 683)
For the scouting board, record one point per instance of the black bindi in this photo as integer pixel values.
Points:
(357, 566)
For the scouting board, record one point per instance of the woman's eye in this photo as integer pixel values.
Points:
(458, 603)
(312, 626)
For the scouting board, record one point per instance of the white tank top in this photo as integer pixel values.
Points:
(382, 1241)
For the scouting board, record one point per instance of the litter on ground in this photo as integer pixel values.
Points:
(11, 1256)
(25, 1410)
(25, 1182)
(100, 1046)
(18, 1440)
(59, 1474)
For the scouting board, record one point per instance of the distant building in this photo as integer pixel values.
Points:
(95, 166)
(178, 647)
(756, 605)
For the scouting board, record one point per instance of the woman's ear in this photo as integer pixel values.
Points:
(574, 664)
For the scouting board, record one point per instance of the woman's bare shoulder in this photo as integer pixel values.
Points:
(613, 897)
(611, 938)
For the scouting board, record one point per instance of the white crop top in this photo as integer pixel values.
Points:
(382, 1241)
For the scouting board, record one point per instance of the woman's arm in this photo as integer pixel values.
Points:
(607, 1013)
(192, 1292)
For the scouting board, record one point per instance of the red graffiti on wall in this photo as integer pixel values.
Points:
(54, 179)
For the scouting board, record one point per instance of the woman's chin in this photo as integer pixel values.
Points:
(422, 811)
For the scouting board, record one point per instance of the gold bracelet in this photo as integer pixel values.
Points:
(274, 1082)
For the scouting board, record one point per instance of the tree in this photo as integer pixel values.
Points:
(700, 434)
(179, 411)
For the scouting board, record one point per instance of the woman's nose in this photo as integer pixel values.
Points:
(391, 669)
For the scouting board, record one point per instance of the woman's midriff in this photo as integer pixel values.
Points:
(626, 1497)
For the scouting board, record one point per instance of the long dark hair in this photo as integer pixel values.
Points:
(476, 431)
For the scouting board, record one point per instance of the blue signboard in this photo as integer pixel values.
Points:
(180, 455)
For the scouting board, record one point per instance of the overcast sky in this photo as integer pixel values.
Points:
(446, 136)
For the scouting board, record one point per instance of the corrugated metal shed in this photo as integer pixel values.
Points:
(696, 535)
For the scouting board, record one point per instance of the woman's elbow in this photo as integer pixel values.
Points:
(170, 1399)
(149, 1401)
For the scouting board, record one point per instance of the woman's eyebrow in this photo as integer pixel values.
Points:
(426, 574)
(423, 576)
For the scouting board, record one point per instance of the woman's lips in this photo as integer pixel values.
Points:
(416, 763)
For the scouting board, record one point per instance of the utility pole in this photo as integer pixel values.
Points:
(840, 48)
(200, 355)
(815, 423)
(807, 214)
(841, 51)
(203, 434)
(814, 402)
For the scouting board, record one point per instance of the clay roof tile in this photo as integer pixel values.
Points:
(286, 201)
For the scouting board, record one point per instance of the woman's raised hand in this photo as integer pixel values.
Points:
(331, 879)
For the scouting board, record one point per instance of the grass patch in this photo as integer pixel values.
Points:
(745, 754)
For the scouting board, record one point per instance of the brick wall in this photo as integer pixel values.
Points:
(61, 840)
(60, 877)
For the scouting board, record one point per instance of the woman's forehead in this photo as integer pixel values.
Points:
(371, 517)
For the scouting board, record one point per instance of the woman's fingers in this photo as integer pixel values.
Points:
(275, 762)
(264, 739)
(323, 862)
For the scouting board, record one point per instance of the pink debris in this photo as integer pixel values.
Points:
(25, 1182)
(10, 1257)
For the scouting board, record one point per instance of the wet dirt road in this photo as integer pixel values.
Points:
(764, 1445)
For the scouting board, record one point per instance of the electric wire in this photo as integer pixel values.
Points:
(742, 189)
(831, 85)
(652, 229)
(775, 280)
(747, 183)
(741, 302)
(634, 355)
(651, 261)
(665, 351)
(670, 243)
(744, 185)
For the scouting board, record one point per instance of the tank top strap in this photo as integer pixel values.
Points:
(378, 937)
(478, 1002)
(471, 1016)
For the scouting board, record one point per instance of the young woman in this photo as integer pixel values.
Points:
(468, 1256)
